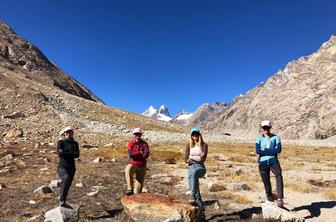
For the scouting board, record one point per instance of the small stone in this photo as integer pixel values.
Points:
(2, 186)
(8, 157)
(43, 190)
(5, 171)
(80, 185)
(99, 159)
(216, 205)
(215, 187)
(87, 146)
(32, 202)
(238, 186)
(109, 145)
(13, 115)
(93, 193)
(13, 133)
(113, 160)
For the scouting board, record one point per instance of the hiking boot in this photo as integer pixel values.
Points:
(280, 203)
(270, 198)
(192, 201)
(129, 192)
(62, 203)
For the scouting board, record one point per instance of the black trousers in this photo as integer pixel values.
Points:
(265, 176)
(67, 175)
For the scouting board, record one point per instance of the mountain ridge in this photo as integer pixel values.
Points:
(299, 102)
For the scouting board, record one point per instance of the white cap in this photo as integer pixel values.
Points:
(266, 123)
(137, 130)
(68, 128)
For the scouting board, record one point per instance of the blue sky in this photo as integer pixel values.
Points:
(133, 54)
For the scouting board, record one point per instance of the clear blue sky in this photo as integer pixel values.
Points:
(179, 53)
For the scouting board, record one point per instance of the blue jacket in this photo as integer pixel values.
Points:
(271, 145)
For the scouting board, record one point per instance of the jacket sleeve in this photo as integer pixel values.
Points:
(59, 148)
(186, 153)
(258, 148)
(145, 153)
(276, 147)
(76, 151)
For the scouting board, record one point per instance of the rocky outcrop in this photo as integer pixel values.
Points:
(68, 213)
(153, 208)
(298, 99)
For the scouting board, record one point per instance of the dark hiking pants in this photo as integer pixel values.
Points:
(67, 175)
(265, 176)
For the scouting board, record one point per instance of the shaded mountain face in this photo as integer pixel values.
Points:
(299, 100)
(16, 52)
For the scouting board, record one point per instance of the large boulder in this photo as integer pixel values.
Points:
(68, 213)
(271, 211)
(154, 208)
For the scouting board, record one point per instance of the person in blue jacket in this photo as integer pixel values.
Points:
(268, 146)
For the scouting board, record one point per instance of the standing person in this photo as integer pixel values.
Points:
(138, 152)
(67, 150)
(268, 145)
(195, 154)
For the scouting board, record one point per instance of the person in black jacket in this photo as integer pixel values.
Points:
(67, 150)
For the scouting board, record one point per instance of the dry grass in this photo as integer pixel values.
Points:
(330, 193)
(300, 186)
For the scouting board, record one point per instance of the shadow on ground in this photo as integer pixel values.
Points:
(315, 208)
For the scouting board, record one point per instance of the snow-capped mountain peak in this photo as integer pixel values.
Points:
(161, 114)
(151, 111)
(183, 115)
(164, 110)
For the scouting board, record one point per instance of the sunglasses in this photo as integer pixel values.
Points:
(195, 134)
(137, 134)
(266, 127)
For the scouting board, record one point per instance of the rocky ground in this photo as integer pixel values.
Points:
(232, 189)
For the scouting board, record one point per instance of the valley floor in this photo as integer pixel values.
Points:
(309, 177)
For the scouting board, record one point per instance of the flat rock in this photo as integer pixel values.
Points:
(68, 213)
(271, 211)
(153, 208)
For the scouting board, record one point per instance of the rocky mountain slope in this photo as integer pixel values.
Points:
(37, 99)
(18, 52)
(299, 99)
(201, 116)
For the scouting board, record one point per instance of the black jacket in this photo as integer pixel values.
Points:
(67, 150)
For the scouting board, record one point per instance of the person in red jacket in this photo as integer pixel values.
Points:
(138, 152)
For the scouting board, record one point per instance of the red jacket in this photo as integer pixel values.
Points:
(138, 152)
